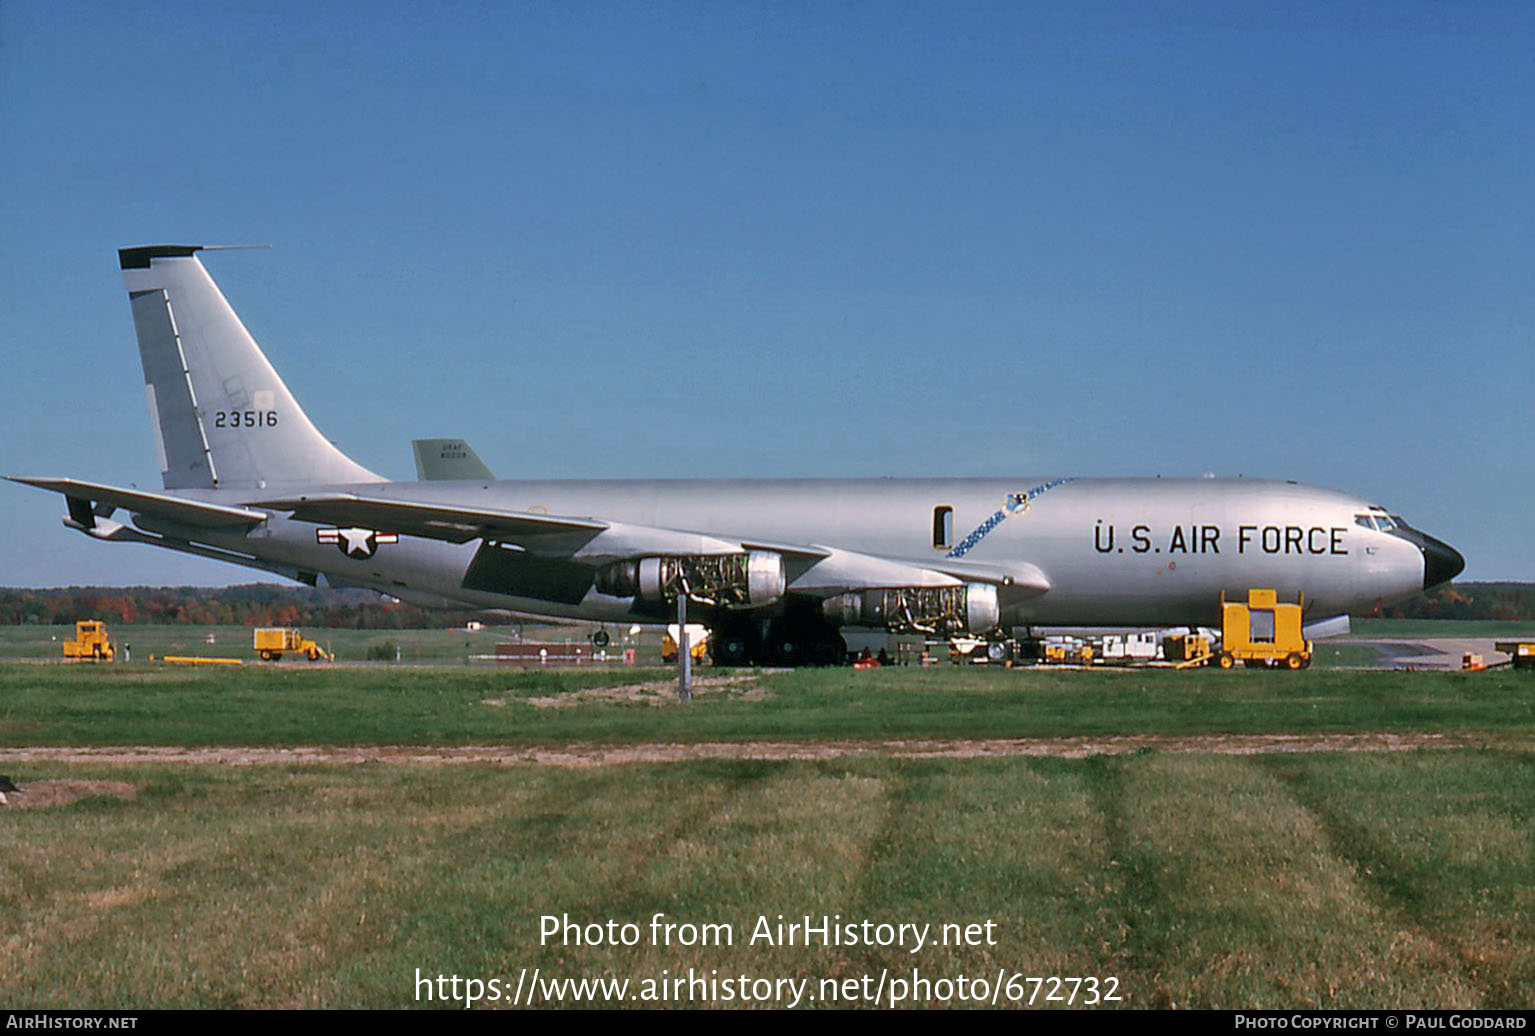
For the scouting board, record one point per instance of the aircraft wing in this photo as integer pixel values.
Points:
(90, 500)
(1018, 576)
(582, 539)
(438, 521)
(842, 570)
(832, 570)
(838, 571)
(810, 569)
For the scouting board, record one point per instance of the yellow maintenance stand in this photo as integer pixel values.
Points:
(1263, 632)
(271, 643)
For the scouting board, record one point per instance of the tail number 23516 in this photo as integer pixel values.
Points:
(245, 419)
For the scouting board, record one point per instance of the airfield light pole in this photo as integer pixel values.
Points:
(684, 653)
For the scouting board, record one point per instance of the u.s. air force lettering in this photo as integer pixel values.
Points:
(1207, 539)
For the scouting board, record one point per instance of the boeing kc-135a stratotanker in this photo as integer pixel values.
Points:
(777, 568)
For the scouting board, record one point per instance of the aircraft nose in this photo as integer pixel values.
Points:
(1441, 562)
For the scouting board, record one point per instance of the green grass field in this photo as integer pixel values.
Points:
(1332, 880)
(304, 704)
(1367, 628)
(1277, 880)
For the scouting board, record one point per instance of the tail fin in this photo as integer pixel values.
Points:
(221, 416)
(440, 460)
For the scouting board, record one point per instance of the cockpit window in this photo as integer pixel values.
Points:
(1380, 520)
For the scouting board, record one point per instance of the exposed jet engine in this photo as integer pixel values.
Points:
(748, 580)
(971, 608)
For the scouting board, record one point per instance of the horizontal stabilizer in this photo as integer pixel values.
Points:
(1321, 629)
(187, 512)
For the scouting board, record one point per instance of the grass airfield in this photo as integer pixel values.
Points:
(1196, 869)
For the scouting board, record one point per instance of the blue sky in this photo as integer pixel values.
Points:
(1283, 240)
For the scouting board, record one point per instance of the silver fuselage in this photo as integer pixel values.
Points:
(1113, 551)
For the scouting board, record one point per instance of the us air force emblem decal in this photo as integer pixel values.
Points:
(1013, 503)
(360, 544)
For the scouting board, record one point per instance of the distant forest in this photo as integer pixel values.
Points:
(265, 604)
(1503, 601)
(255, 604)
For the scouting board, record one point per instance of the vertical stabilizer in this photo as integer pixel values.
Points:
(221, 416)
(447, 460)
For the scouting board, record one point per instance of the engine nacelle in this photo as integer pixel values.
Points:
(971, 608)
(750, 579)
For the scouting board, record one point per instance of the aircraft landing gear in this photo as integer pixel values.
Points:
(801, 637)
(793, 639)
(735, 643)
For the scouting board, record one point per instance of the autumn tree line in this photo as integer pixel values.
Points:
(256, 604)
(1505, 602)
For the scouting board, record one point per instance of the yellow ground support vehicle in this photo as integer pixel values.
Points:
(698, 643)
(272, 643)
(1262, 632)
(1066, 653)
(91, 643)
(1186, 650)
(1522, 652)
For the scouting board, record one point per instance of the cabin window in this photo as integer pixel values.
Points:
(1364, 520)
(943, 528)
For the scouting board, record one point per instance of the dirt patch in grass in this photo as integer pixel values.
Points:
(655, 693)
(43, 794)
(588, 755)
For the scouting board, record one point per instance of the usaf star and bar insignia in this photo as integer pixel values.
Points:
(356, 543)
